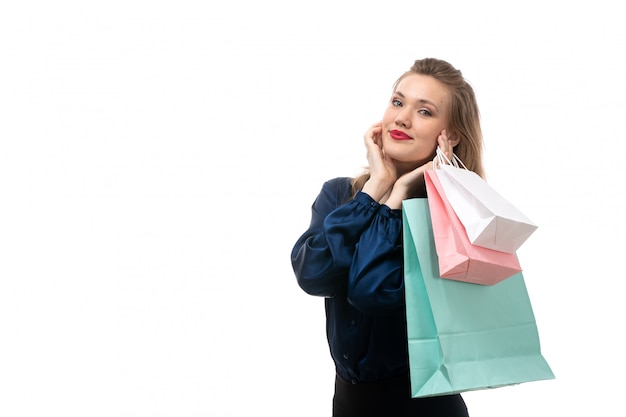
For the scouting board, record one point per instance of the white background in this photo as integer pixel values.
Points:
(158, 160)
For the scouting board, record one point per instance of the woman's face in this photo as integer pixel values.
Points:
(415, 117)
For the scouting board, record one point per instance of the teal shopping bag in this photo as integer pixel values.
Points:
(463, 336)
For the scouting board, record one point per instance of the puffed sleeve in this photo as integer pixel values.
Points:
(376, 281)
(322, 256)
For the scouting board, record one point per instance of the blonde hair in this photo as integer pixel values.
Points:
(464, 122)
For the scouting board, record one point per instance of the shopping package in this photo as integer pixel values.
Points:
(462, 336)
(458, 258)
(489, 219)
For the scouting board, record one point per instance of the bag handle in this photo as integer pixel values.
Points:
(441, 158)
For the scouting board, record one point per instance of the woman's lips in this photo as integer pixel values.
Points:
(399, 135)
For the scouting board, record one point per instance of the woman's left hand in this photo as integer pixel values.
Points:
(408, 185)
(412, 183)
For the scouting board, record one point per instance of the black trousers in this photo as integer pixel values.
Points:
(392, 398)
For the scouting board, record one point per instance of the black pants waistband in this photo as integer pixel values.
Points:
(391, 397)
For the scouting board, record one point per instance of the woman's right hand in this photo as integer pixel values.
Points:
(382, 170)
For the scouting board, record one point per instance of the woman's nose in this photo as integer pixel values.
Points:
(403, 119)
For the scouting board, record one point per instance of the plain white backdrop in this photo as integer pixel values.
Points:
(159, 159)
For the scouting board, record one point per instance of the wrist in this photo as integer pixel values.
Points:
(394, 203)
(375, 189)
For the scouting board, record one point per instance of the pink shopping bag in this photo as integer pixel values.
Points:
(459, 259)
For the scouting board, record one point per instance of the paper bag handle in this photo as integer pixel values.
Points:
(441, 158)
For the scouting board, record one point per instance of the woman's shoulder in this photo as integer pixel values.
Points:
(340, 185)
(340, 188)
(340, 182)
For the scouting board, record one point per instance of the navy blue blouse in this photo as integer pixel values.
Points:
(351, 254)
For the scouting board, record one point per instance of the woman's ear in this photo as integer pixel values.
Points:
(454, 138)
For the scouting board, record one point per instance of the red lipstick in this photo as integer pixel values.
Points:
(399, 135)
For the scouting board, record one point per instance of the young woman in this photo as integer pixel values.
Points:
(351, 253)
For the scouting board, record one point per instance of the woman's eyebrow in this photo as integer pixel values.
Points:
(421, 100)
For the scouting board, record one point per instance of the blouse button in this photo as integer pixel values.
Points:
(345, 356)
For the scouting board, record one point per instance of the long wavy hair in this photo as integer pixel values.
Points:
(464, 114)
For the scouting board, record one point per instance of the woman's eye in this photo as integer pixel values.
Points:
(396, 102)
(425, 112)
